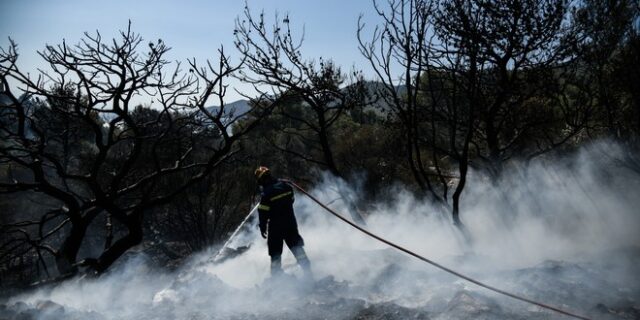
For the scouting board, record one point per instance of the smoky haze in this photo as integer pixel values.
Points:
(561, 231)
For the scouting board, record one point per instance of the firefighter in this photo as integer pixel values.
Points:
(278, 222)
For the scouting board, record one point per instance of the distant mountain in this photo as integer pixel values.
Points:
(373, 88)
(374, 91)
(236, 108)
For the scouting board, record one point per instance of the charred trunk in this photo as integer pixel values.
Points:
(68, 253)
(133, 238)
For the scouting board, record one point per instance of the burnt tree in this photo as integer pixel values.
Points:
(104, 155)
(473, 84)
(275, 66)
(397, 51)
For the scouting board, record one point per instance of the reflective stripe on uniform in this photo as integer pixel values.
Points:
(263, 207)
(282, 195)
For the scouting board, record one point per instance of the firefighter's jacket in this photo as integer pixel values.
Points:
(276, 208)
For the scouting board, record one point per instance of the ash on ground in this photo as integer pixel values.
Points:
(404, 290)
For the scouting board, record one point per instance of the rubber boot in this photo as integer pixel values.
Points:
(276, 266)
(303, 260)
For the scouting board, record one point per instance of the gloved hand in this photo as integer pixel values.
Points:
(263, 231)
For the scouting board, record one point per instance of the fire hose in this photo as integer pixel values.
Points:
(433, 263)
(235, 232)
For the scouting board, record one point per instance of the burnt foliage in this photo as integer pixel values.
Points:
(88, 171)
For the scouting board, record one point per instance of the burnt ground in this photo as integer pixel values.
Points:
(598, 289)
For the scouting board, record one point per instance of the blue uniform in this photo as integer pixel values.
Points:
(276, 216)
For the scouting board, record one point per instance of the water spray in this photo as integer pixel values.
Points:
(235, 232)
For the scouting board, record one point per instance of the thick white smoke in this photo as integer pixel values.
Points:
(563, 232)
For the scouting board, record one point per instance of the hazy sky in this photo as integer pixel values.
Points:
(193, 28)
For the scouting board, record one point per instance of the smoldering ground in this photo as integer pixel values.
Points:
(563, 232)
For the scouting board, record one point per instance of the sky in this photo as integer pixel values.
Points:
(192, 28)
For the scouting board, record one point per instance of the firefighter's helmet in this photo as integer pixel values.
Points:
(262, 172)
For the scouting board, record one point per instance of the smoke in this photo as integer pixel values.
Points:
(563, 231)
